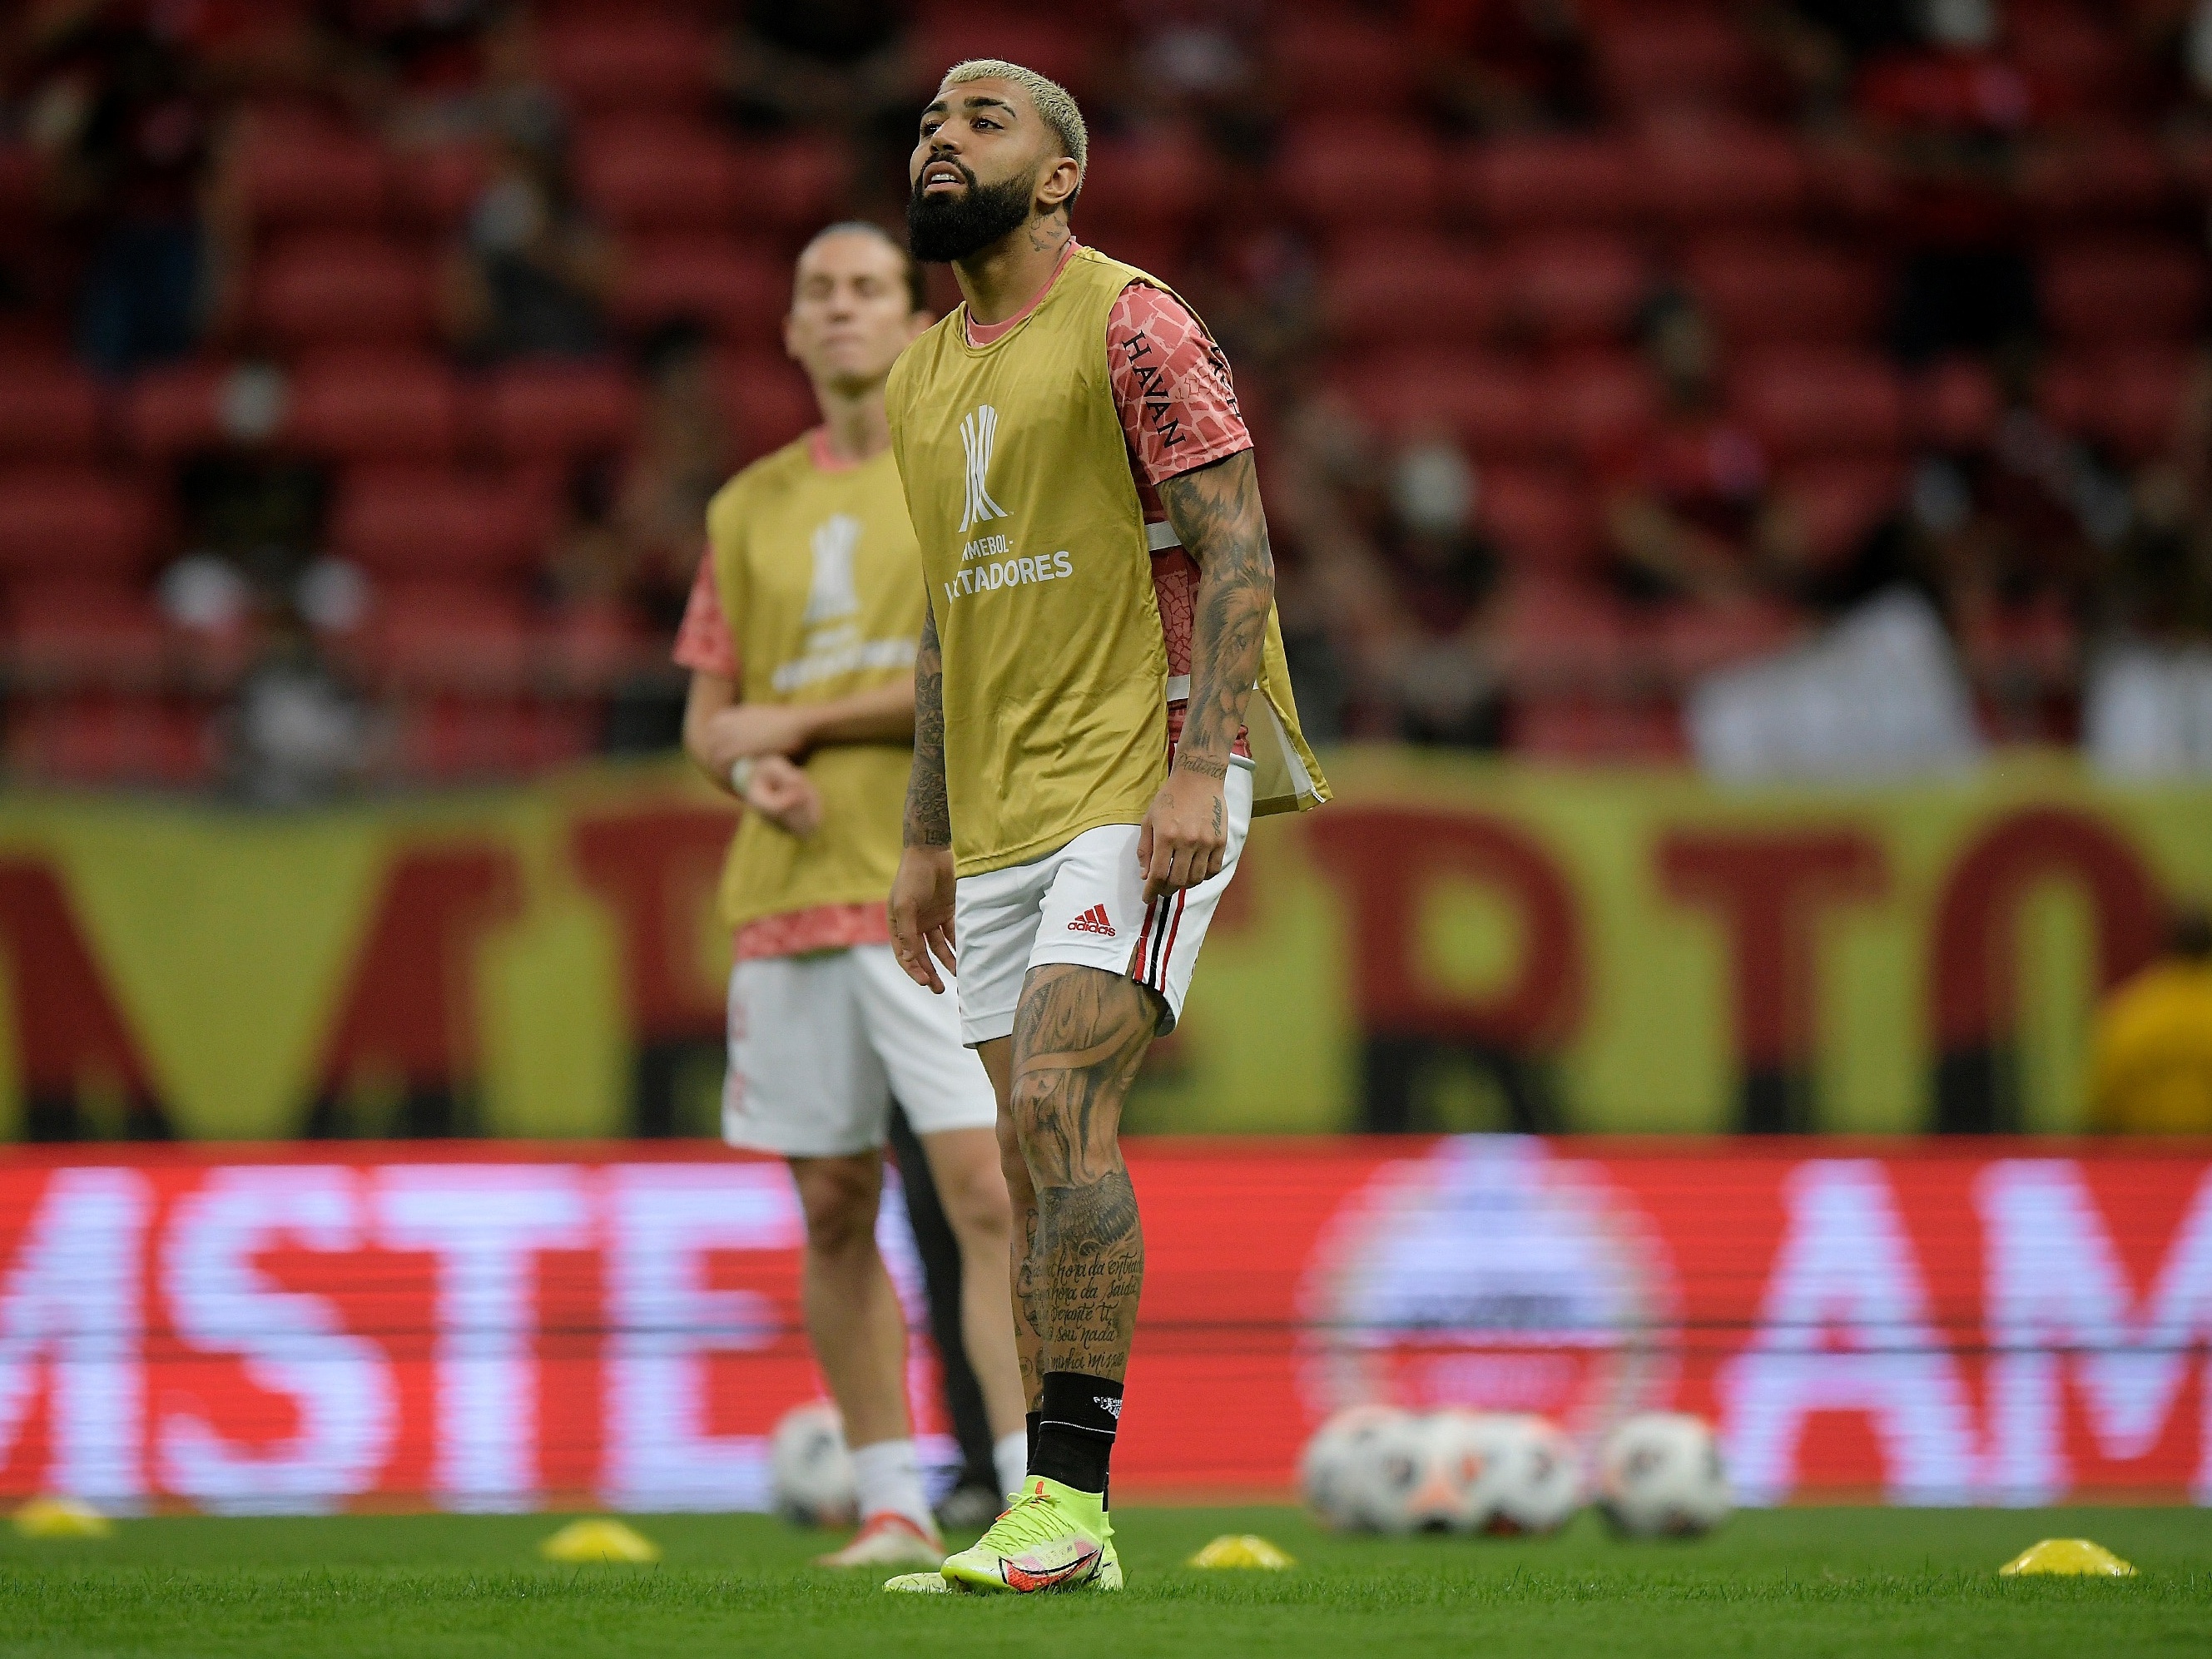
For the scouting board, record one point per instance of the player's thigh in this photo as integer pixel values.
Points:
(963, 1163)
(994, 926)
(1175, 928)
(916, 1036)
(804, 1081)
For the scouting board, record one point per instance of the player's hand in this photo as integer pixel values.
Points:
(922, 914)
(747, 730)
(1184, 838)
(783, 795)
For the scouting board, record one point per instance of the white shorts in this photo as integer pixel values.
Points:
(1085, 903)
(820, 1045)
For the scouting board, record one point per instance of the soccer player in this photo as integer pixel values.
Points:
(1101, 634)
(800, 636)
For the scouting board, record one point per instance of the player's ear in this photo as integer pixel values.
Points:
(790, 343)
(1057, 184)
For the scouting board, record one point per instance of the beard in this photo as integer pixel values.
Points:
(943, 228)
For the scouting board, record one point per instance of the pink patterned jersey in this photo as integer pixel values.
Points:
(704, 644)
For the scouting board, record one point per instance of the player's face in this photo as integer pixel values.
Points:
(851, 313)
(983, 163)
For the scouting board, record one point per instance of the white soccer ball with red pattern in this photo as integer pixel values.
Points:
(1659, 1475)
(1331, 1470)
(1534, 1482)
(808, 1468)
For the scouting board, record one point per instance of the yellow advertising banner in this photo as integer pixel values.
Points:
(1454, 944)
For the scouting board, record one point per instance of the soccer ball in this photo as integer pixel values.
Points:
(1331, 1470)
(1406, 1477)
(811, 1474)
(1464, 1463)
(1534, 1485)
(1660, 1476)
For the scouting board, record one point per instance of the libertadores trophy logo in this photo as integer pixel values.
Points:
(1491, 1274)
(976, 432)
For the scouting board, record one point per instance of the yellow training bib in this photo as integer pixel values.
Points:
(820, 578)
(1033, 543)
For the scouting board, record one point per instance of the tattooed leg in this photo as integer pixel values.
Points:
(1024, 1269)
(1079, 1034)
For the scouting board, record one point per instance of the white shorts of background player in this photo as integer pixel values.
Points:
(1085, 903)
(821, 1044)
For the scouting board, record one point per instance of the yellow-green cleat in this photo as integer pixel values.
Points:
(1052, 1537)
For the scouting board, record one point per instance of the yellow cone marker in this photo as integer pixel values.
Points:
(2076, 1557)
(599, 1540)
(61, 1517)
(1242, 1550)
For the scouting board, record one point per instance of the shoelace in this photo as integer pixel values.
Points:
(1035, 1520)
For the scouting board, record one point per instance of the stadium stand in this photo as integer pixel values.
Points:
(1838, 308)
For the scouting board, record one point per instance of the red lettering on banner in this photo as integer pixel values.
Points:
(1767, 891)
(658, 871)
(69, 1032)
(410, 1009)
(1975, 962)
(1384, 858)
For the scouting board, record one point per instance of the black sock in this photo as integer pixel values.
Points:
(1075, 1430)
(1030, 1422)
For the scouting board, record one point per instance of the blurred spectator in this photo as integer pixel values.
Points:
(415, 64)
(124, 132)
(533, 272)
(833, 63)
(1444, 665)
(1948, 115)
(1201, 59)
(299, 734)
(2151, 1070)
(683, 455)
(1822, 43)
(1689, 506)
(1499, 65)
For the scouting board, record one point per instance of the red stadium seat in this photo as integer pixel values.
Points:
(1141, 183)
(1039, 37)
(130, 737)
(19, 182)
(2077, 61)
(1805, 402)
(75, 633)
(50, 411)
(2104, 174)
(298, 170)
(1570, 285)
(1761, 290)
(456, 738)
(1492, 405)
(766, 399)
(1706, 172)
(1956, 405)
(1392, 175)
(1838, 503)
(1404, 291)
(457, 635)
(1696, 639)
(410, 522)
(168, 413)
(378, 406)
(739, 294)
(1559, 636)
(644, 173)
(559, 411)
(2130, 290)
(1518, 184)
(340, 288)
(74, 523)
(643, 59)
(2129, 400)
(1673, 58)
(1595, 401)
(1583, 731)
(1330, 61)
(441, 183)
(591, 646)
(1541, 519)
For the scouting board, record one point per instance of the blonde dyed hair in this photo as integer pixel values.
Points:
(1055, 107)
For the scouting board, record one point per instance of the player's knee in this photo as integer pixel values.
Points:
(837, 1197)
(976, 1200)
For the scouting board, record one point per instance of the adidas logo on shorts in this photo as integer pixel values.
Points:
(1093, 921)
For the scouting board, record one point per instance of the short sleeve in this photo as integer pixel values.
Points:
(704, 644)
(1172, 386)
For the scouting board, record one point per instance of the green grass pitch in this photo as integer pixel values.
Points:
(1804, 1580)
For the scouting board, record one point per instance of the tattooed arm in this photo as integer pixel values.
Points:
(1216, 511)
(921, 893)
